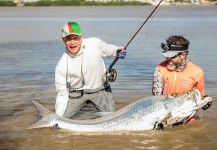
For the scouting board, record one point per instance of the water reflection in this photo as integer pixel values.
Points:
(30, 47)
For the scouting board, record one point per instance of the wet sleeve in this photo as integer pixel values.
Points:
(157, 85)
(61, 88)
(200, 83)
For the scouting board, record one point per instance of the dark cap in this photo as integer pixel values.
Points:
(172, 50)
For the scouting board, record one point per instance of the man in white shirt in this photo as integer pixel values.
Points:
(80, 73)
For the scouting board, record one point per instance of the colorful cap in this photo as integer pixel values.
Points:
(71, 28)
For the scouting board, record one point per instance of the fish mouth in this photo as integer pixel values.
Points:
(203, 102)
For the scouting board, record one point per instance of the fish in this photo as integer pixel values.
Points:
(145, 114)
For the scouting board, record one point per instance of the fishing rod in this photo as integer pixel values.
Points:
(111, 73)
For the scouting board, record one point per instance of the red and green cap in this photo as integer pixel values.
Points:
(71, 28)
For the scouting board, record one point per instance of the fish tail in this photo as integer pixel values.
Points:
(46, 117)
(43, 111)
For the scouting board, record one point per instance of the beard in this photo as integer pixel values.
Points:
(176, 66)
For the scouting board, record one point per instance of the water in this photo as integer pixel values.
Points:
(31, 45)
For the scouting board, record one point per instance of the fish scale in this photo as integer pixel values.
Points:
(141, 115)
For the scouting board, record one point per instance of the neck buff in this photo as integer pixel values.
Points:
(177, 67)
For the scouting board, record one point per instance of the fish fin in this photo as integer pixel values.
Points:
(43, 111)
(197, 95)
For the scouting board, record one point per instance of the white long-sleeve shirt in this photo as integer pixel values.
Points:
(84, 70)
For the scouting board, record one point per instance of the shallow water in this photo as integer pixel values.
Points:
(30, 46)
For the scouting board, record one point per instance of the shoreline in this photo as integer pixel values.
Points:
(43, 3)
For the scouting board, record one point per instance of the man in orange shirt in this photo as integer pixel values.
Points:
(177, 75)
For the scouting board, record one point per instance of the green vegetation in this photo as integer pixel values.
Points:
(213, 0)
(79, 3)
(53, 3)
(7, 3)
(70, 3)
(82, 3)
(115, 3)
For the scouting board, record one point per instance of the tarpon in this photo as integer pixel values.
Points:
(144, 114)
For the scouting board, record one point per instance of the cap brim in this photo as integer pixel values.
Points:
(70, 34)
(170, 54)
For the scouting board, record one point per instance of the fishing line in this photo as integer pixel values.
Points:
(111, 74)
(149, 26)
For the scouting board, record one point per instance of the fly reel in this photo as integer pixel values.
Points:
(111, 75)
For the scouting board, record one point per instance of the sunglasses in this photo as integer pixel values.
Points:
(175, 55)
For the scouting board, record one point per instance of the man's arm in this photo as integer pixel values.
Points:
(157, 85)
(110, 50)
(200, 83)
(61, 87)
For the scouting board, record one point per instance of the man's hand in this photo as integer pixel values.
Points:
(121, 53)
(209, 104)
